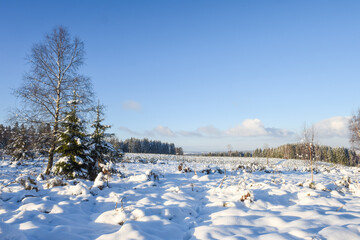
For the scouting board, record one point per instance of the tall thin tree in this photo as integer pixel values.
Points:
(53, 77)
(310, 146)
(354, 130)
(101, 151)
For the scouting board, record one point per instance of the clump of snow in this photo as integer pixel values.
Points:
(115, 217)
(138, 178)
(320, 186)
(204, 178)
(308, 183)
(55, 182)
(28, 182)
(355, 188)
(174, 189)
(152, 175)
(109, 168)
(307, 193)
(100, 181)
(344, 181)
(137, 214)
(79, 189)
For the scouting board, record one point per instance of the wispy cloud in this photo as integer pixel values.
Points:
(210, 131)
(164, 131)
(189, 134)
(157, 131)
(279, 132)
(131, 105)
(248, 128)
(333, 127)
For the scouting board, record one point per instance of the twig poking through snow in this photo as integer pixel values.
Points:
(340, 208)
(222, 181)
(121, 202)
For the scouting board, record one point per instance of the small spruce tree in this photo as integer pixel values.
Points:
(73, 147)
(101, 151)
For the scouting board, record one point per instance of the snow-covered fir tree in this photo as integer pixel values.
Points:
(73, 148)
(101, 150)
(5, 133)
(19, 147)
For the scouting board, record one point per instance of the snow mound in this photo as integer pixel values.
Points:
(100, 181)
(204, 178)
(247, 203)
(138, 178)
(80, 189)
(355, 188)
(55, 182)
(115, 217)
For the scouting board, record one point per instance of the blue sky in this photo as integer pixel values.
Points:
(203, 74)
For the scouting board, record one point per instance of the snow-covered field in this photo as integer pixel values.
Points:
(211, 198)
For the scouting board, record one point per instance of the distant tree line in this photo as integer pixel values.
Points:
(135, 145)
(338, 155)
(23, 142)
(228, 154)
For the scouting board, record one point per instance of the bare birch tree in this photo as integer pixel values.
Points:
(310, 146)
(354, 129)
(230, 148)
(51, 81)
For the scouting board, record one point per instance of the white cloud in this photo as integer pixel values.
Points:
(164, 131)
(333, 127)
(159, 130)
(255, 128)
(248, 128)
(131, 105)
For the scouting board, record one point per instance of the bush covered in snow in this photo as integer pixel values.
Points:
(55, 182)
(28, 182)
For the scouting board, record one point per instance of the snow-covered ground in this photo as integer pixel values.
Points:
(216, 198)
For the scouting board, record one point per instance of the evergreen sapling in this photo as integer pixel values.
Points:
(73, 147)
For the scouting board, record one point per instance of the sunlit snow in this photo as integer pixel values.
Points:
(216, 198)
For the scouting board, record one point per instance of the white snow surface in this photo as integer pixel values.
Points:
(254, 200)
